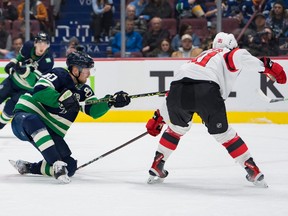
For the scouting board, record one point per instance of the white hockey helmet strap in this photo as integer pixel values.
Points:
(224, 40)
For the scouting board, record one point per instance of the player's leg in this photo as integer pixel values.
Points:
(179, 122)
(29, 127)
(215, 119)
(5, 92)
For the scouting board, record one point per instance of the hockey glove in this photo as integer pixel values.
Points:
(69, 101)
(10, 67)
(23, 71)
(155, 124)
(119, 99)
(273, 70)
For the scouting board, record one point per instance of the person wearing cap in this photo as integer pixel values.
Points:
(186, 50)
(201, 87)
(185, 28)
(34, 60)
(278, 19)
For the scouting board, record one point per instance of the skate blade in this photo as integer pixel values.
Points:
(261, 184)
(13, 163)
(154, 180)
(64, 179)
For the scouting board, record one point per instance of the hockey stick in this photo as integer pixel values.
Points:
(113, 150)
(130, 96)
(267, 99)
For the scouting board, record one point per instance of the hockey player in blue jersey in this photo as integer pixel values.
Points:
(33, 60)
(44, 116)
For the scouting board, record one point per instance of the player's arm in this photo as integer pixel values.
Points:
(119, 99)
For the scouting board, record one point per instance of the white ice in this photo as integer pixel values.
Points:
(203, 180)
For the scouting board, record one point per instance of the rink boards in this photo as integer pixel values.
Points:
(137, 76)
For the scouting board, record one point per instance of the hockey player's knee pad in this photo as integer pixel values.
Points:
(178, 129)
(25, 124)
(71, 165)
(17, 127)
(226, 136)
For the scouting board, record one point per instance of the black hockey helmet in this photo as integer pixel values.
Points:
(42, 36)
(80, 59)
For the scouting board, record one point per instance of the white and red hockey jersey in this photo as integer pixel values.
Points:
(221, 66)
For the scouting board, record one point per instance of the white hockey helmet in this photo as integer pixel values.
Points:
(224, 40)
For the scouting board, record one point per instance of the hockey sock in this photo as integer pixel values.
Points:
(45, 168)
(235, 147)
(168, 142)
(46, 146)
(4, 119)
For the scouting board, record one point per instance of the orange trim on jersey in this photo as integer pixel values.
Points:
(229, 60)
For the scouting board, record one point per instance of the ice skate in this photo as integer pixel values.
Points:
(157, 172)
(254, 175)
(23, 167)
(60, 172)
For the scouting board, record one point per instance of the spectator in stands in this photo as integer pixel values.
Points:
(140, 24)
(5, 39)
(17, 43)
(278, 19)
(268, 6)
(190, 9)
(164, 50)
(139, 6)
(185, 29)
(102, 19)
(187, 50)
(56, 8)
(153, 37)
(133, 39)
(257, 26)
(248, 8)
(8, 11)
(72, 45)
(208, 41)
(38, 11)
(20, 32)
(263, 42)
(233, 9)
(157, 8)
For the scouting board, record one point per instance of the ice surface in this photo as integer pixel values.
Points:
(203, 180)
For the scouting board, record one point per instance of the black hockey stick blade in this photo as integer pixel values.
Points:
(113, 150)
(161, 93)
(268, 99)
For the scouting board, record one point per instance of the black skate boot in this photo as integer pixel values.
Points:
(254, 175)
(23, 167)
(157, 172)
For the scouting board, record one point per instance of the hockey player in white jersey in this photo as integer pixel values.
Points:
(201, 86)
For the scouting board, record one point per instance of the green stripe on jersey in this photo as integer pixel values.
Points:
(57, 123)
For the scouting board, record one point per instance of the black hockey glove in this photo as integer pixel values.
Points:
(119, 99)
(69, 101)
(23, 71)
(10, 67)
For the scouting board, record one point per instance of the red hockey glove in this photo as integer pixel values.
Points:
(273, 70)
(155, 124)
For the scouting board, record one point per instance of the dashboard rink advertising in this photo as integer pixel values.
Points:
(138, 76)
